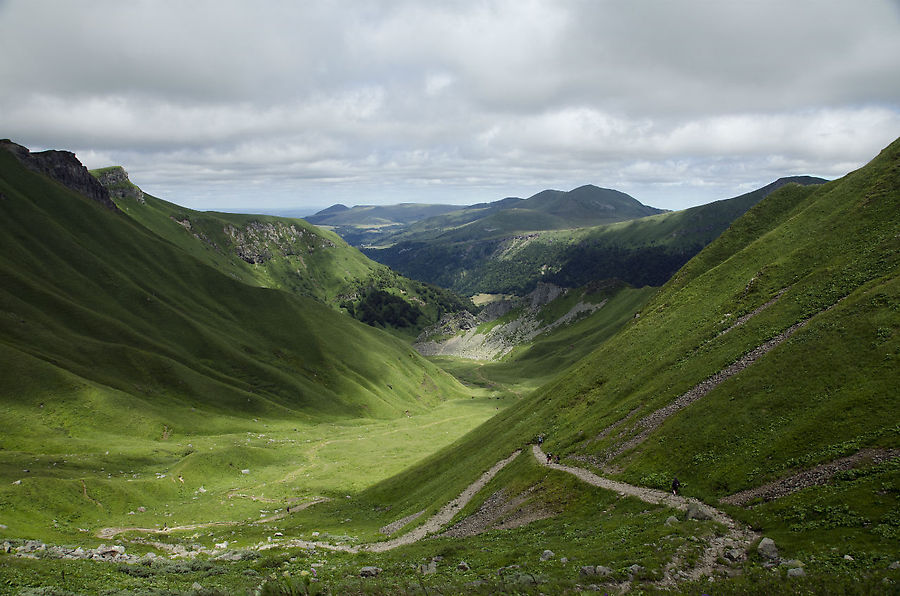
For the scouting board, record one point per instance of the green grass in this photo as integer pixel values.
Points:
(288, 254)
(826, 391)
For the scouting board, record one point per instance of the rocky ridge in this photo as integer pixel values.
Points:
(63, 167)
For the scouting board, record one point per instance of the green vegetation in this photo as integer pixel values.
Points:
(506, 253)
(292, 255)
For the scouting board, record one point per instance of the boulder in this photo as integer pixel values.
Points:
(588, 570)
(796, 572)
(547, 555)
(695, 511)
(601, 570)
(463, 566)
(767, 549)
(370, 572)
(671, 520)
(735, 555)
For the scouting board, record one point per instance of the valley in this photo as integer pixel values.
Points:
(186, 413)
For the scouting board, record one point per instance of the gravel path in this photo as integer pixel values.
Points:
(812, 477)
(737, 536)
(652, 421)
(446, 513)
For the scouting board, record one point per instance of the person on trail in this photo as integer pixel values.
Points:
(675, 485)
(549, 457)
(556, 459)
(540, 440)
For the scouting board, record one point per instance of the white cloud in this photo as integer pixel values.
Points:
(284, 103)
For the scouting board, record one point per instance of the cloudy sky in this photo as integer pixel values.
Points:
(269, 105)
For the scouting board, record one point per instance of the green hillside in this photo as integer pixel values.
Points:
(509, 251)
(802, 294)
(295, 256)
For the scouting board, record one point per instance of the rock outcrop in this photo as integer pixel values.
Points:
(458, 334)
(63, 167)
(115, 181)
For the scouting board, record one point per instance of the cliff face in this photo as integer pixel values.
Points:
(63, 167)
(115, 180)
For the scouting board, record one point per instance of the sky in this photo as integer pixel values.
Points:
(275, 106)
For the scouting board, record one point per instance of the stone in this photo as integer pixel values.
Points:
(848, 558)
(792, 563)
(547, 555)
(564, 560)
(196, 587)
(463, 566)
(428, 568)
(767, 549)
(601, 570)
(370, 571)
(734, 555)
(671, 520)
(796, 572)
(894, 565)
(588, 570)
(695, 511)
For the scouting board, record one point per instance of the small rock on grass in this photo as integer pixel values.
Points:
(547, 555)
(370, 571)
(796, 572)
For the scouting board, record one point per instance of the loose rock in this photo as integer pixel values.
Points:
(796, 572)
(694, 511)
(547, 555)
(767, 549)
(370, 572)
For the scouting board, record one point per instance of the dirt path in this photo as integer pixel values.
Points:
(439, 519)
(737, 536)
(433, 525)
(812, 477)
(652, 421)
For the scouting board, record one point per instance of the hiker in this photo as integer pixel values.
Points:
(556, 459)
(549, 457)
(675, 485)
(540, 440)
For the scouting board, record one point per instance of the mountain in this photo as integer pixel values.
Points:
(98, 310)
(511, 250)
(287, 254)
(362, 224)
(763, 375)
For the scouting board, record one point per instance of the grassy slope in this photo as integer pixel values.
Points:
(828, 390)
(112, 337)
(301, 258)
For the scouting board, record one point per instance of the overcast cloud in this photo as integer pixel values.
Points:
(299, 105)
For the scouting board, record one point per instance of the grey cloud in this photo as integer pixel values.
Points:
(466, 101)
